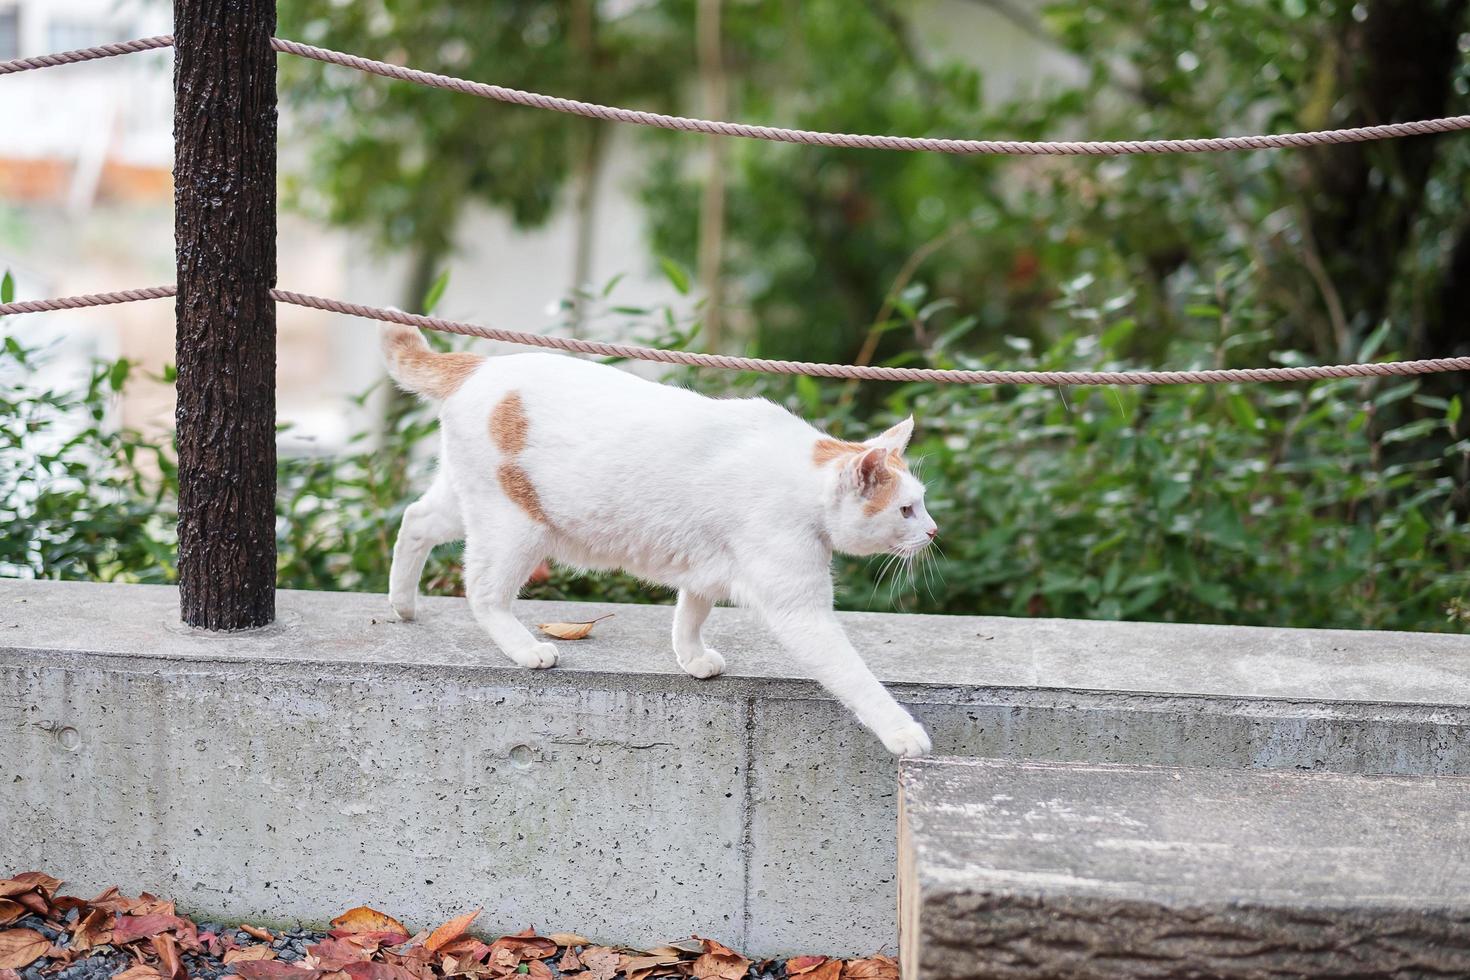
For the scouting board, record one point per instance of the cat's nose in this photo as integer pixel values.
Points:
(933, 531)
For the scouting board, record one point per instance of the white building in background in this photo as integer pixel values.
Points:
(86, 205)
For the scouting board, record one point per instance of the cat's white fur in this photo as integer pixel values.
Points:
(545, 455)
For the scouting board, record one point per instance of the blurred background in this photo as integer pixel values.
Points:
(1331, 504)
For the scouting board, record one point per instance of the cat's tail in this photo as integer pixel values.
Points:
(418, 368)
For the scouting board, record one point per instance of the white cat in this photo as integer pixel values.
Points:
(545, 455)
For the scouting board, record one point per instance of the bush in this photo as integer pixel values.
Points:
(1253, 504)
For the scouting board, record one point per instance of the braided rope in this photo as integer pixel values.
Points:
(592, 110)
(1436, 365)
(776, 134)
(86, 54)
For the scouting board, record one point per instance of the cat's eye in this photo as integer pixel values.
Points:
(907, 511)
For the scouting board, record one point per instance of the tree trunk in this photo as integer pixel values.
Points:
(589, 161)
(712, 206)
(1399, 64)
(225, 238)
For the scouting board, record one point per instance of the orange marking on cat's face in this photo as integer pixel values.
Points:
(880, 494)
(516, 483)
(878, 484)
(508, 424)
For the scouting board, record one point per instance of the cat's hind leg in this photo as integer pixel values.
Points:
(502, 550)
(431, 520)
(697, 659)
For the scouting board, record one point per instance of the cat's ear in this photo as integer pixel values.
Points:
(870, 470)
(896, 438)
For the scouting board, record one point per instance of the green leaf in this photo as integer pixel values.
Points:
(677, 275)
(117, 375)
(7, 288)
(436, 291)
(1453, 415)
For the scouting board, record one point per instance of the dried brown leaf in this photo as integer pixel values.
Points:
(10, 910)
(798, 965)
(128, 928)
(247, 953)
(571, 631)
(601, 962)
(140, 972)
(538, 970)
(364, 919)
(569, 961)
(19, 948)
(830, 970)
(33, 902)
(30, 881)
(113, 901)
(262, 934)
(168, 956)
(92, 929)
(334, 954)
(275, 970)
(569, 939)
(450, 930)
(377, 971)
(878, 967)
(152, 905)
(526, 945)
(9, 974)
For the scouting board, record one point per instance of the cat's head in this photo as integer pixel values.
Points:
(875, 505)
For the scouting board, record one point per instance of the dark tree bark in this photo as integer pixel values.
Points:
(1397, 64)
(225, 236)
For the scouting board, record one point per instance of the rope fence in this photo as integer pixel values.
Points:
(964, 147)
(800, 136)
(765, 366)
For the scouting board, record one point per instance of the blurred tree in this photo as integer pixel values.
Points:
(1338, 240)
(405, 162)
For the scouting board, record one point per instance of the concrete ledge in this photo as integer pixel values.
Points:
(1037, 870)
(341, 755)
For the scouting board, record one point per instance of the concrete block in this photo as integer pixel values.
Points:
(340, 756)
(1023, 869)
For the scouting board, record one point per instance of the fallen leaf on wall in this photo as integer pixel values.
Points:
(571, 631)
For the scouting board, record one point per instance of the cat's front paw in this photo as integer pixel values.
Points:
(908, 741)
(404, 607)
(706, 664)
(537, 656)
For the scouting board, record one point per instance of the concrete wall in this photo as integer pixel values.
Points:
(341, 757)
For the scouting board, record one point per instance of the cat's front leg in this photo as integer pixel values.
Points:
(814, 637)
(697, 659)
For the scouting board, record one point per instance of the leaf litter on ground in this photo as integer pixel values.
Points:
(145, 938)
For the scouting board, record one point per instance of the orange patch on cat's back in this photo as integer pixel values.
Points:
(517, 485)
(508, 424)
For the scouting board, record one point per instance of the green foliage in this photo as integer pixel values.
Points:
(1261, 505)
(79, 498)
(1254, 504)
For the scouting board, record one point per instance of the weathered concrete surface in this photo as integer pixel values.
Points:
(1014, 868)
(342, 756)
